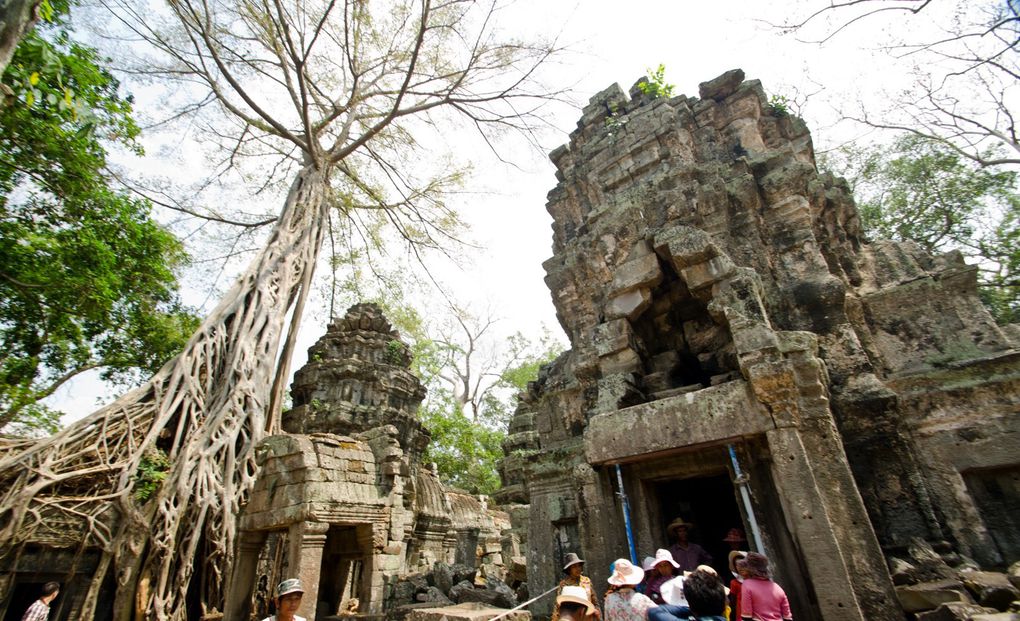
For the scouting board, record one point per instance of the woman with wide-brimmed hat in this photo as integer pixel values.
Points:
(663, 567)
(624, 603)
(573, 567)
(574, 604)
(760, 598)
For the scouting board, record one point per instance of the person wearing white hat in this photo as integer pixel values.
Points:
(624, 603)
(573, 604)
(288, 600)
(573, 567)
(663, 569)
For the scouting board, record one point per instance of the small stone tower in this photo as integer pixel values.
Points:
(358, 377)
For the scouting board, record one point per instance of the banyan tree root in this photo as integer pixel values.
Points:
(205, 411)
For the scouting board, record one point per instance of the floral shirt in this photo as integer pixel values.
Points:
(585, 583)
(627, 604)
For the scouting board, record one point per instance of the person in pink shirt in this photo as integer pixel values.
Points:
(760, 598)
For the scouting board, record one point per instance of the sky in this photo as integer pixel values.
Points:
(606, 42)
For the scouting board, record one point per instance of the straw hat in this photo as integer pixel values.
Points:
(663, 555)
(735, 555)
(735, 535)
(571, 559)
(576, 595)
(677, 523)
(625, 574)
(290, 585)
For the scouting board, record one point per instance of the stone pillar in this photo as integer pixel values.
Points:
(377, 565)
(304, 560)
(242, 579)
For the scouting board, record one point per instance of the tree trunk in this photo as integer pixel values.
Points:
(16, 18)
(205, 409)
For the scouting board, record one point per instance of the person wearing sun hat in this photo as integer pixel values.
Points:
(574, 604)
(687, 554)
(624, 603)
(738, 567)
(760, 598)
(573, 566)
(288, 600)
(662, 569)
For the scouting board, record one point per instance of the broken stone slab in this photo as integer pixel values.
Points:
(442, 577)
(990, 588)
(996, 616)
(902, 572)
(931, 595)
(1013, 574)
(953, 611)
(433, 595)
(721, 87)
(470, 611)
(928, 562)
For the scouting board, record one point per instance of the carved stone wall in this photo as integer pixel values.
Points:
(726, 314)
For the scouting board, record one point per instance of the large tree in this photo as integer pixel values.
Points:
(921, 190)
(87, 278)
(335, 90)
(964, 60)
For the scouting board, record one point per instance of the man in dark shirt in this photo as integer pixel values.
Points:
(687, 554)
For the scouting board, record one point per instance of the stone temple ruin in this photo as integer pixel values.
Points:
(732, 331)
(741, 356)
(344, 502)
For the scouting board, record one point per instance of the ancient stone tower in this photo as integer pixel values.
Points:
(342, 499)
(748, 359)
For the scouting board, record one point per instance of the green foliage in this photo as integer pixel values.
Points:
(780, 105)
(87, 278)
(921, 190)
(152, 470)
(656, 86)
(394, 352)
(465, 451)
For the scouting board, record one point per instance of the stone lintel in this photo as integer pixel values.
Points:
(707, 416)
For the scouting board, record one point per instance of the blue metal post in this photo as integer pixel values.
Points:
(626, 516)
(741, 480)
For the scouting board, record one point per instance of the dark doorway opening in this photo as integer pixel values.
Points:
(342, 571)
(24, 594)
(710, 503)
(996, 493)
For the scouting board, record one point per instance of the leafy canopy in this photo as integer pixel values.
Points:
(926, 192)
(87, 278)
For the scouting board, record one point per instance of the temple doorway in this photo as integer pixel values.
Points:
(343, 571)
(709, 502)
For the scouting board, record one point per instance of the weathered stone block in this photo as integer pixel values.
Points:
(705, 274)
(990, 589)
(721, 87)
(685, 246)
(641, 272)
(931, 595)
(953, 611)
(613, 336)
(629, 305)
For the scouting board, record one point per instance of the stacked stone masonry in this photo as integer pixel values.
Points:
(726, 313)
(343, 502)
